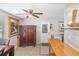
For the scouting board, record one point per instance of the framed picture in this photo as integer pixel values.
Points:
(13, 26)
(51, 26)
(44, 28)
(60, 26)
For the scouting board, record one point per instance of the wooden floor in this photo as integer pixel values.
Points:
(61, 49)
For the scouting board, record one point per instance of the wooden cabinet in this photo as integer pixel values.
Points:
(27, 35)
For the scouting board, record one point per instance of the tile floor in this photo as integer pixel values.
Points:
(32, 51)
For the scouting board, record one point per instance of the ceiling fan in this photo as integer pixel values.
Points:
(31, 13)
(74, 20)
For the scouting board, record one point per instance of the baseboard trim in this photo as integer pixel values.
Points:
(44, 44)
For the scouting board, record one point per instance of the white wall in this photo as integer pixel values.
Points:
(72, 38)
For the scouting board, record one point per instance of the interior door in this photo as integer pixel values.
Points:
(27, 35)
(31, 35)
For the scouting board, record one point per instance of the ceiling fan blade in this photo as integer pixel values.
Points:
(25, 10)
(20, 14)
(38, 13)
(35, 15)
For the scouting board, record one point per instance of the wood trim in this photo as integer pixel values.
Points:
(9, 27)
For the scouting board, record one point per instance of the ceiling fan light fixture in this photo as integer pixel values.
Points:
(32, 13)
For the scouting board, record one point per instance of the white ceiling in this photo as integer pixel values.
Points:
(50, 10)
